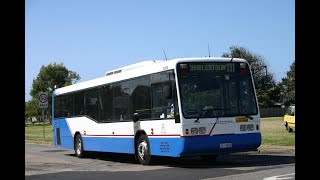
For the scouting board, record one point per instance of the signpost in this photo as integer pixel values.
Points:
(43, 104)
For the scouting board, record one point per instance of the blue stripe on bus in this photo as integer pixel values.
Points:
(102, 144)
(162, 146)
(211, 144)
(109, 144)
(65, 133)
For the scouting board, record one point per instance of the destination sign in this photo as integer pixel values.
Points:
(213, 67)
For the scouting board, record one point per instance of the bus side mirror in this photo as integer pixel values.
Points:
(136, 117)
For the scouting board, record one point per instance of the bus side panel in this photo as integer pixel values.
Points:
(215, 144)
(55, 125)
(66, 139)
(166, 146)
(109, 144)
(91, 143)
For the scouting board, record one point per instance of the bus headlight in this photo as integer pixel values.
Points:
(246, 127)
(250, 127)
(202, 130)
(194, 130)
(243, 127)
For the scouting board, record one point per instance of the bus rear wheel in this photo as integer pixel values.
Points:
(143, 150)
(78, 148)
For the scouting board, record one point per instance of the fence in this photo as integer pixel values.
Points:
(272, 112)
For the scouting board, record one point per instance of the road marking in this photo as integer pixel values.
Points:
(285, 176)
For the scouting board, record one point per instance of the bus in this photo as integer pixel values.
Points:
(201, 106)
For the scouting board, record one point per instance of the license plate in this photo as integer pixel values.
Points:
(225, 145)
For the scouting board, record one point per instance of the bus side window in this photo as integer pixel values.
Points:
(81, 112)
(67, 113)
(79, 103)
(140, 97)
(162, 101)
(167, 90)
(169, 101)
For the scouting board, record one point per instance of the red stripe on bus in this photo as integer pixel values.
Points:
(156, 134)
(191, 136)
(163, 134)
(106, 135)
(194, 135)
(130, 135)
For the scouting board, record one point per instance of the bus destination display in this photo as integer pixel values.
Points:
(213, 67)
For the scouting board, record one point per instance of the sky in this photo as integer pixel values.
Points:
(93, 37)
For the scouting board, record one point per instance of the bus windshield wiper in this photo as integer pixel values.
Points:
(208, 108)
(201, 113)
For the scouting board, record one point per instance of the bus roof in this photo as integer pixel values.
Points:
(138, 69)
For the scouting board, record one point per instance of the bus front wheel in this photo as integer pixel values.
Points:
(143, 150)
(80, 153)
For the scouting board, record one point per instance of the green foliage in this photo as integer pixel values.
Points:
(287, 87)
(31, 109)
(48, 77)
(241, 52)
(267, 92)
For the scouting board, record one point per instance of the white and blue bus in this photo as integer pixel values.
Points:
(181, 107)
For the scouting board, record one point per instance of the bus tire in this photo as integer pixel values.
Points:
(143, 150)
(289, 129)
(78, 147)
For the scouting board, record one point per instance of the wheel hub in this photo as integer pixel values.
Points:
(79, 147)
(143, 149)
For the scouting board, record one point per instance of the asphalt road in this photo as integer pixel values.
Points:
(49, 162)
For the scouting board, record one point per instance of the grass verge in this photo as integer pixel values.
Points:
(274, 132)
(34, 133)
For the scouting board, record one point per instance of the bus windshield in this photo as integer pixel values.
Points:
(228, 90)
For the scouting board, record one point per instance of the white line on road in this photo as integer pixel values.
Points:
(280, 177)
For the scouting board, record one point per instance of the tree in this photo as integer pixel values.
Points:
(31, 109)
(51, 76)
(267, 91)
(287, 86)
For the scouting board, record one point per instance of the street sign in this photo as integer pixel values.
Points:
(43, 100)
